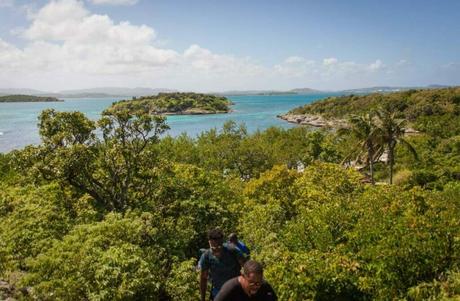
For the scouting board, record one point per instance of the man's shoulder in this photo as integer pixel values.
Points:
(229, 290)
(232, 284)
(203, 262)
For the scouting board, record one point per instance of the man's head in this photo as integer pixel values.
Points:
(216, 239)
(253, 277)
(233, 238)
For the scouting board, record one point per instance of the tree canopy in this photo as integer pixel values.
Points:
(176, 103)
(115, 209)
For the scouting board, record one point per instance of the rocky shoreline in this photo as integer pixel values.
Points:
(194, 112)
(321, 122)
(313, 120)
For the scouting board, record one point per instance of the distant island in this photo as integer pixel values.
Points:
(269, 92)
(121, 92)
(176, 103)
(102, 92)
(28, 98)
(415, 106)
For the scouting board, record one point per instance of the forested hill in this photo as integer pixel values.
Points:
(27, 98)
(412, 104)
(176, 103)
(435, 111)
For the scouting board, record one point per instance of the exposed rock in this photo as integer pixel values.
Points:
(194, 111)
(320, 121)
(410, 131)
(313, 120)
(6, 291)
(4, 286)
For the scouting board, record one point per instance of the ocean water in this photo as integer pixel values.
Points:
(18, 121)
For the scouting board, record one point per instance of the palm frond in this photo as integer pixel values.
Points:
(409, 147)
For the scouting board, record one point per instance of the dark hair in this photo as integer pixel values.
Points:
(232, 236)
(252, 266)
(215, 234)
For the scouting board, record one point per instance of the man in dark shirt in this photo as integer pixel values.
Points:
(250, 286)
(220, 263)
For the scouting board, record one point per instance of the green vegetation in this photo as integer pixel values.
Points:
(413, 105)
(122, 215)
(27, 98)
(435, 114)
(176, 103)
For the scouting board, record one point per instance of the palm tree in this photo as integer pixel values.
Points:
(369, 137)
(392, 130)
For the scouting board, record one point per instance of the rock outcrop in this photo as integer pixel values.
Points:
(313, 120)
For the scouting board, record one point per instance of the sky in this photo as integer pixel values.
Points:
(217, 45)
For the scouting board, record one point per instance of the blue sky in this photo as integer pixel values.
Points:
(225, 45)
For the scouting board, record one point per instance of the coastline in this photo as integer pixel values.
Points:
(18, 121)
(193, 112)
(313, 120)
(321, 122)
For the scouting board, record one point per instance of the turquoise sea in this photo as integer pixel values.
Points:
(18, 121)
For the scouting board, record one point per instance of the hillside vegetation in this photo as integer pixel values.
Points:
(27, 98)
(427, 110)
(115, 210)
(176, 103)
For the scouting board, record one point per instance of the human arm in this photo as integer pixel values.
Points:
(203, 266)
(203, 284)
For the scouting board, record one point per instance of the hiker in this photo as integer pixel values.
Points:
(233, 239)
(249, 286)
(220, 262)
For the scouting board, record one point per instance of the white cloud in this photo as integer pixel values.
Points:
(331, 73)
(66, 44)
(451, 66)
(330, 68)
(114, 2)
(376, 65)
(70, 21)
(64, 35)
(295, 66)
(58, 20)
(402, 63)
(294, 59)
(330, 61)
(10, 56)
(201, 59)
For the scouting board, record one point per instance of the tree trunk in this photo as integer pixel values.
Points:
(390, 158)
(370, 155)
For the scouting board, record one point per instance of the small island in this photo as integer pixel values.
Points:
(176, 103)
(28, 98)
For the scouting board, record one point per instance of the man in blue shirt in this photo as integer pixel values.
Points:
(220, 263)
(233, 239)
